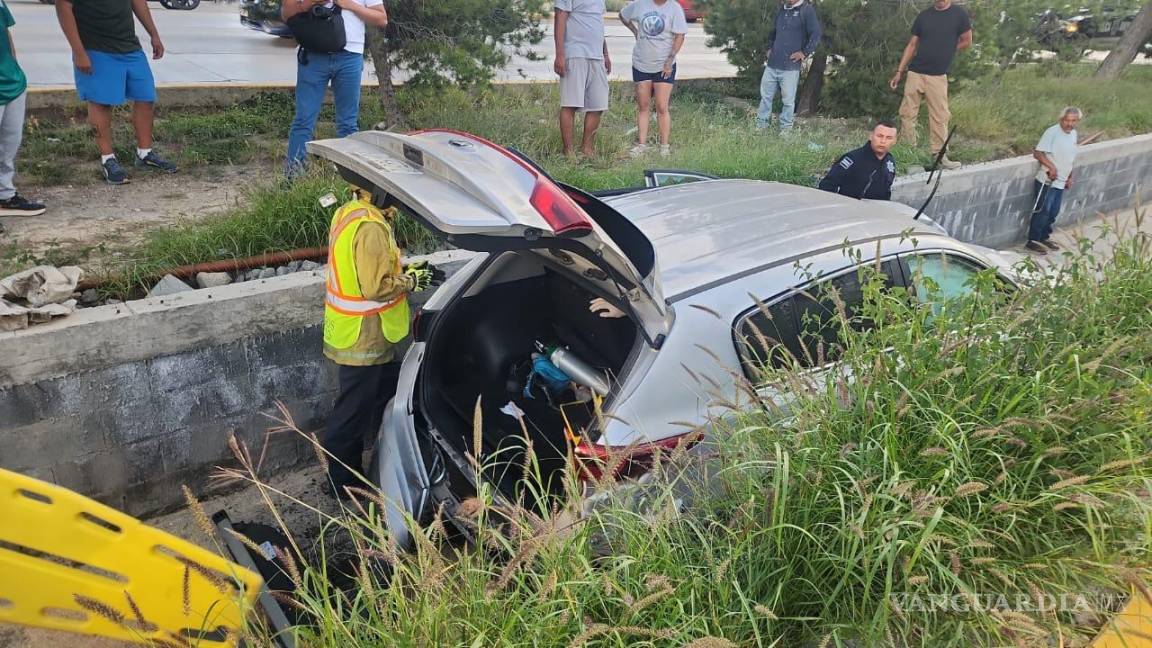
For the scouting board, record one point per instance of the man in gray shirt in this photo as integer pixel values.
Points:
(1056, 154)
(583, 65)
(794, 37)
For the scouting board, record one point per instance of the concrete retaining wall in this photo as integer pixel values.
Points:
(990, 203)
(127, 402)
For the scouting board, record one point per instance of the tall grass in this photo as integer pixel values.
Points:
(990, 446)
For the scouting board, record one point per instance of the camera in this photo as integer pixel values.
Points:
(321, 11)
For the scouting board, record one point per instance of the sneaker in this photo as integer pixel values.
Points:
(20, 206)
(665, 150)
(154, 161)
(640, 150)
(1036, 247)
(1051, 245)
(949, 165)
(114, 174)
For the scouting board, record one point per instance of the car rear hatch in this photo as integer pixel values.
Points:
(481, 196)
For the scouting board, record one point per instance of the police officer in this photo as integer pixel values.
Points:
(365, 316)
(868, 171)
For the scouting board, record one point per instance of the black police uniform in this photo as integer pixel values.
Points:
(859, 174)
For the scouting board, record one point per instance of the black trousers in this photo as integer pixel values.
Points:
(356, 418)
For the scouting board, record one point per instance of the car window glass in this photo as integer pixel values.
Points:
(943, 276)
(805, 324)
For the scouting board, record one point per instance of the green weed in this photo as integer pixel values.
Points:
(986, 446)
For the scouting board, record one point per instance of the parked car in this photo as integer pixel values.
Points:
(691, 13)
(263, 15)
(680, 261)
(1073, 32)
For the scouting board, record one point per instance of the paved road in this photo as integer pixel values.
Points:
(209, 45)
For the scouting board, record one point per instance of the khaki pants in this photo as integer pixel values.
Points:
(933, 89)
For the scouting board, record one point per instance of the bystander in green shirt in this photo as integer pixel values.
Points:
(12, 79)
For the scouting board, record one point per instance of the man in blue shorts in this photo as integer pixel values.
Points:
(111, 68)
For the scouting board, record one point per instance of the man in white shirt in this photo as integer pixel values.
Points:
(1056, 154)
(343, 70)
(583, 65)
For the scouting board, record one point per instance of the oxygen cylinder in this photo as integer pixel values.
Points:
(580, 371)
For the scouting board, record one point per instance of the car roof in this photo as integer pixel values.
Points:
(708, 233)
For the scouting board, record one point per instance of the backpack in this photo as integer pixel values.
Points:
(320, 30)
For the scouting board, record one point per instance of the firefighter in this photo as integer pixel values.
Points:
(365, 316)
(866, 172)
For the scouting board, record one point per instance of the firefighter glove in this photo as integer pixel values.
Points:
(421, 276)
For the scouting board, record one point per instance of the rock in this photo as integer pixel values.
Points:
(90, 296)
(169, 285)
(282, 270)
(309, 266)
(266, 273)
(253, 274)
(294, 266)
(213, 279)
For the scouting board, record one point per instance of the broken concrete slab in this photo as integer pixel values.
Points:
(168, 285)
(213, 279)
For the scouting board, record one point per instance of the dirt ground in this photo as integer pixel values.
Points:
(89, 221)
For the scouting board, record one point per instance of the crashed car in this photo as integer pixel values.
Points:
(683, 264)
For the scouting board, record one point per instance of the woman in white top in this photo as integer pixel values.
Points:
(659, 27)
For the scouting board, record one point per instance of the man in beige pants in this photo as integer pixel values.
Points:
(938, 33)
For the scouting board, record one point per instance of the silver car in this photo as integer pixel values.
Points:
(686, 264)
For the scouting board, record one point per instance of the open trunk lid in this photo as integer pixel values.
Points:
(481, 196)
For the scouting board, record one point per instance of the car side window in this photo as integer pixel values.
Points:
(804, 324)
(942, 275)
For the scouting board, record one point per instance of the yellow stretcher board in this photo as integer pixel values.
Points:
(70, 563)
(1130, 627)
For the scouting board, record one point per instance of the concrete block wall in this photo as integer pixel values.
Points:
(127, 402)
(990, 203)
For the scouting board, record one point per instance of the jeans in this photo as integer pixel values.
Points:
(1048, 200)
(11, 133)
(786, 81)
(344, 71)
(356, 417)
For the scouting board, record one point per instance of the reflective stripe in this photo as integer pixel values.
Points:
(359, 306)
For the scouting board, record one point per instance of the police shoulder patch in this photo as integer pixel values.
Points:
(846, 162)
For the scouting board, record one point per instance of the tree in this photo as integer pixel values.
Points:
(849, 72)
(449, 41)
(1135, 37)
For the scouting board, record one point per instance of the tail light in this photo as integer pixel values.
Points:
(558, 209)
(594, 461)
(561, 213)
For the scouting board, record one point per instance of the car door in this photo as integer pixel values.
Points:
(799, 329)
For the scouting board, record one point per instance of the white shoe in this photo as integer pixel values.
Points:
(640, 150)
(665, 150)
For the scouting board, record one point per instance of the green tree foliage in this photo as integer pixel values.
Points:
(863, 40)
(451, 41)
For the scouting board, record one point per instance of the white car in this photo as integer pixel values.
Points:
(685, 263)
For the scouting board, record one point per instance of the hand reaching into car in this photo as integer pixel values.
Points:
(601, 307)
